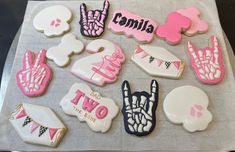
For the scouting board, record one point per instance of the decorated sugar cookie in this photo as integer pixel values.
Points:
(53, 20)
(35, 75)
(93, 22)
(60, 54)
(187, 105)
(89, 106)
(157, 61)
(142, 29)
(172, 29)
(103, 65)
(139, 109)
(197, 24)
(207, 62)
(37, 125)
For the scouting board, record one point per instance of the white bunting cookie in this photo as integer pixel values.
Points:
(187, 105)
(60, 54)
(37, 125)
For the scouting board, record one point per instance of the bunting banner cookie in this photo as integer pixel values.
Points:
(103, 65)
(142, 29)
(89, 106)
(139, 109)
(187, 105)
(157, 61)
(37, 125)
(207, 62)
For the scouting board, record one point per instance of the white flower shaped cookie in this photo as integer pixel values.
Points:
(60, 54)
(187, 105)
(53, 20)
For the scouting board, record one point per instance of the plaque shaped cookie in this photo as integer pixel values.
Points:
(157, 61)
(37, 125)
(142, 29)
(103, 65)
(53, 20)
(187, 105)
(89, 106)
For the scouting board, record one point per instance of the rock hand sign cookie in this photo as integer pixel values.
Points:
(93, 22)
(89, 106)
(53, 21)
(139, 109)
(102, 66)
(207, 62)
(34, 77)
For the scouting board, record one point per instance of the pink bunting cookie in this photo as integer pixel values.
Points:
(198, 25)
(35, 75)
(172, 30)
(207, 62)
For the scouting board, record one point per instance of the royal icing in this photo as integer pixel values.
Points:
(103, 65)
(60, 54)
(197, 25)
(53, 20)
(207, 62)
(93, 22)
(34, 77)
(187, 105)
(133, 25)
(89, 106)
(37, 125)
(139, 109)
(172, 29)
(157, 61)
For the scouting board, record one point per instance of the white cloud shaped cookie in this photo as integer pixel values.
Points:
(53, 20)
(60, 54)
(187, 105)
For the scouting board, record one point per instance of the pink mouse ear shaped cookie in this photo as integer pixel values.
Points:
(198, 25)
(172, 29)
(207, 62)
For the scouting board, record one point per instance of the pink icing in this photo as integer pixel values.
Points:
(34, 127)
(133, 25)
(52, 132)
(171, 30)
(196, 110)
(34, 77)
(198, 25)
(207, 62)
(89, 104)
(101, 112)
(79, 94)
(21, 114)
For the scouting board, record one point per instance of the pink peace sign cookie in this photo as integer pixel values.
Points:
(172, 30)
(198, 25)
(207, 62)
(34, 77)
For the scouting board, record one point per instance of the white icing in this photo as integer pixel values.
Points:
(180, 108)
(60, 54)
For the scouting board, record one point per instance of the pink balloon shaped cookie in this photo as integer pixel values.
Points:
(198, 25)
(172, 30)
(207, 62)
(34, 77)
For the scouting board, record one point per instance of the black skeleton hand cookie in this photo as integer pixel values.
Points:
(139, 109)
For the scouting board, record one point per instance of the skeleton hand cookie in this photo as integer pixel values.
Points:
(139, 109)
(93, 22)
(34, 77)
(187, 105)
(207, 62)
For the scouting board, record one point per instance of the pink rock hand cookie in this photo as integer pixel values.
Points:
(175, 25)
(93, 22)
(198, 25)
(207, 62)
(34, 77)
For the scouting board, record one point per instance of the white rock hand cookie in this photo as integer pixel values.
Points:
(60, 54)
(187, 105)
(89, 106)
(139, 109)
(157, 61)
(53, 20)
(37, 125)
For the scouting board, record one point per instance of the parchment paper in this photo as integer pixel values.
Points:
(220, 135)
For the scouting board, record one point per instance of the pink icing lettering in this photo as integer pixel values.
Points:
(101, 112)
(77, 97)
(89, 104)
